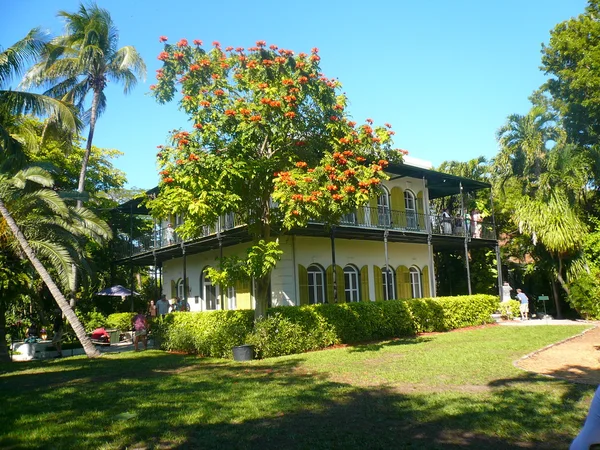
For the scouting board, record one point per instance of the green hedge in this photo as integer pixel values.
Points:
(212, 333)
(292, 329)
(120, 321)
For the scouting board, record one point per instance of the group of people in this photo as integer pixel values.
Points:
(521, 298)
(472, 223)
(33, 335)
(163, 307)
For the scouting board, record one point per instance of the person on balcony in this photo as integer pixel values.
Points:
(446, 222)
(170, 234)
(476, 219)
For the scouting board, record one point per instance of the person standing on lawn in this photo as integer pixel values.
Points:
(162, 306)
(58, 328)
(140, 327)
(524, 304)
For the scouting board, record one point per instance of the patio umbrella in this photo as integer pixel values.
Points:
(117, 291)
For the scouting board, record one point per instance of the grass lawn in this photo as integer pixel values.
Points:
(450, 390)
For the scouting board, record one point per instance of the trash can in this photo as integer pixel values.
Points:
(114, 336)
(243, 352)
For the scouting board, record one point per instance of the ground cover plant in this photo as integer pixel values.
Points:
(442, 390)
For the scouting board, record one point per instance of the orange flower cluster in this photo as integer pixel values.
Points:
(256, 118)
(280, 60)
(163, 172)
(219, 92)
(303, 80)
(383, 163)
(291, 115)
(252, 64)
(194, 67)
(287, 82)
(215, 76)
(230, 112)
(369, 121)
(263, 85)
(286, 52)
(360, 159)
(163, 56)
(205, 103)
(337, 197)
(332, 187)
(179, 161)
(350, 189)
(178, 56)
(204, 62)
(162, 39)
(228, 49)
(315, 58)
(168, 180)
(152, 87)
(198, 126)
(301, 164)
(267, 62)
(300, 65)
(261, 43)
(245, 111)
(182, 43)
(290, 98)
(193, 157)
(197, 42)
(344, 140)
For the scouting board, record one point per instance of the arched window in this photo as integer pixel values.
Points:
(316, 284)
(210, 292)
(389, 283)
(415, 282)
(351, 283)
(383, 207)
(180, 289)
(411, 209)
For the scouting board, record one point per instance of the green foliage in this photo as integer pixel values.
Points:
(212, 333)
(277, 335)
(584, 294)
(292, 329)
(449, 313)
(510, 309)
(120, 321)
(91, 320)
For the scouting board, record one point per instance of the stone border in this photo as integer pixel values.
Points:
(529, 355)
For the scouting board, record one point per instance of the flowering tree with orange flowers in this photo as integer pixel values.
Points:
(270, 140)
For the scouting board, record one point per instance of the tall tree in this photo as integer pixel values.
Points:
(267, 125)
(572, 59)
(82, 62)
(45, 228)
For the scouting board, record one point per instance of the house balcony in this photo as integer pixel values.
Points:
(367, 223)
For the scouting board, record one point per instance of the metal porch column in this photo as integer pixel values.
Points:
(335, 289)
(432, 284)
(498, 260)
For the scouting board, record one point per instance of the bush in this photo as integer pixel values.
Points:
(510, 309)
(212, 333)
(120, 321)
(584, 294)
(91, 320)
(277, 335)
(292, 329)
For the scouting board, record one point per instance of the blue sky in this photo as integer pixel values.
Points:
(445, 74)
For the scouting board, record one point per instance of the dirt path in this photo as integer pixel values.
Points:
(577, 359)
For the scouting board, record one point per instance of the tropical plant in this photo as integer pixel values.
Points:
(39, 225)
(271, 141)
(82, 62)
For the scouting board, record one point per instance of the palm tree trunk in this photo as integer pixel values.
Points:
(88, 146)
(89, 348)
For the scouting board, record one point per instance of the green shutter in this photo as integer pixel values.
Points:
(303, 284)
(398, 207)
(403, 282)
(364, 284)
(421, 210)
(341, 284)
(329, 285)
(243, 299)
(378, 283)
(173, 289)
(425, 282)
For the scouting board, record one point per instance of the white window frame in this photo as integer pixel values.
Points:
(415, 282)
(231, 298)
(206, 284)
(389, 283)
(410, 209)
(383, 208)
(316, 284)
(351, 283)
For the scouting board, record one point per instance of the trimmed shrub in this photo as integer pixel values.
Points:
(91, 320)
(510, 309)
(120, 321)
(277, 335)
(213, 333)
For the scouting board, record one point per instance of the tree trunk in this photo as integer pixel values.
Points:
(262, 296)
(4, 356)
(556, 299)
(90, 350)
(88, 146)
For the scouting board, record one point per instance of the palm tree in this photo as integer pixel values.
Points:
(14, 136)
(81, 62)
(48, 230)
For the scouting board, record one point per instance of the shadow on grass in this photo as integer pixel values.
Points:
(159, 400)
(376, 346)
